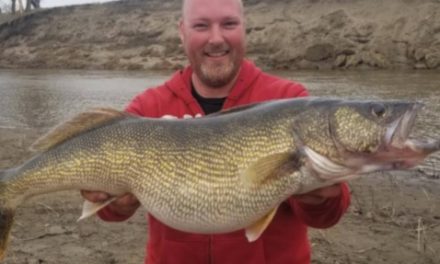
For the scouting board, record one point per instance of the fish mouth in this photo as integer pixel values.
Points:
(400, 151)
(398, 132)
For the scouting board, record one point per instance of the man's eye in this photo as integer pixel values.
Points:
(200, 26)
(230, 24)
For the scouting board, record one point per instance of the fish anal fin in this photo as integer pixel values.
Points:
(254, 231)
(90, 208)
(266, 168)
(78, 124)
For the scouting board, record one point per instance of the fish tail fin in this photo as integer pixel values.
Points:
(6, 215)
(6, 220)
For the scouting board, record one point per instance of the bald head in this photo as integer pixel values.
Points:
(187, 5)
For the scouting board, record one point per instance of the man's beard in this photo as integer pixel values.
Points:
(217, 74)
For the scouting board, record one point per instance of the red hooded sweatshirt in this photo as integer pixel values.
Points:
(285, 240)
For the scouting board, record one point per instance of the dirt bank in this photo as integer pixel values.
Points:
(282, 34)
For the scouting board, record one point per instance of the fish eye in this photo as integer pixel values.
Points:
(378, 110)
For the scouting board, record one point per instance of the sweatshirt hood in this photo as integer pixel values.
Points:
(180, 84)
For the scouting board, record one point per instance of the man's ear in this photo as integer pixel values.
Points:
(181, 30)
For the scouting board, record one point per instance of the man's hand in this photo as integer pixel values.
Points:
(318, 196)
(127, 204)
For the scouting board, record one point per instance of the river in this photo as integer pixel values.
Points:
(39, 99)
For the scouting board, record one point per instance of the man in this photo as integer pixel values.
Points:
(213, 36)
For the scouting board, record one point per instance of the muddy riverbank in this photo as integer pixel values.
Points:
(302, 34)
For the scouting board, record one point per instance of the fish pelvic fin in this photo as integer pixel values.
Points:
(254, 231)
(81, 123)
(6, 221)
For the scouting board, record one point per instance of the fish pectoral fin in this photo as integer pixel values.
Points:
(78, 124)
(90, 208)
(254, 231)
(266, 168)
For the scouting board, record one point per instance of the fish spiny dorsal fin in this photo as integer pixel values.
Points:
(78, 124)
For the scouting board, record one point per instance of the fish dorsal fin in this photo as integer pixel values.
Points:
(266, 168)
(254, 231)
(236, 109)
(78, 124)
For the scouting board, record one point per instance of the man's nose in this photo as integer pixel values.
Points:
(216, 35)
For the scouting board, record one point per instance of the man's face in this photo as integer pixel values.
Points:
(213, 36)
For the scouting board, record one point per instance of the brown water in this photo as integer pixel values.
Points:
(39, 99)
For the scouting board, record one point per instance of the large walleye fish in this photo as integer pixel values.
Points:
(222, 172)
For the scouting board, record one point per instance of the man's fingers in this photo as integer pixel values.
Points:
(320, 195)
(310, 199)
(125, 205)
(328, 192)
(127, 199)
(94, 196)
